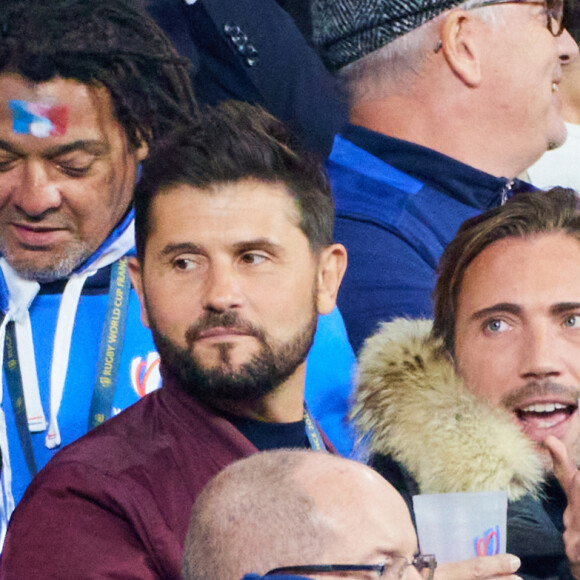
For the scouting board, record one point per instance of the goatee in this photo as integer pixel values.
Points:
(271, 366)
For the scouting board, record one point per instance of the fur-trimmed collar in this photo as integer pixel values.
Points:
(410, 404)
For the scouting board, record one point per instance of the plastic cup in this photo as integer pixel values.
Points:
(459, 526)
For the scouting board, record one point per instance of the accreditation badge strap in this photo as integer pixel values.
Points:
(313, 432)
(15, 390)
(111, 345)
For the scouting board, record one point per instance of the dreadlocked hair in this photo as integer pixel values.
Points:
(110, 43)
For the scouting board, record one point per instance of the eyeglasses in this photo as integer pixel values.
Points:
(395, 569)
(554, 11)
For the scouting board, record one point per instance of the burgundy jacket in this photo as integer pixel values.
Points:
(116, 503)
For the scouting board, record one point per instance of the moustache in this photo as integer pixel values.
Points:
(229, 319)
(540, 388)
(50, 218)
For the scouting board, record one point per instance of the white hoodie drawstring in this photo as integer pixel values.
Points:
(61, 351)
(21, 294)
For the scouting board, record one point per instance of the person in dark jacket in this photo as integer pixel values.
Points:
(253, 51)
(487, 396)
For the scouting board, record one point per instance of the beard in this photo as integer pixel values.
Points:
(271, 366)
(61, 265)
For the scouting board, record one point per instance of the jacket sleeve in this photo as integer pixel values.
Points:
(72, 523)
(398, 476)
(532, 536)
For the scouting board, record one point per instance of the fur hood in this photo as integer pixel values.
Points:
(410, 404)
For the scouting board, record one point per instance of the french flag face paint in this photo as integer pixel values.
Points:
(38, 119)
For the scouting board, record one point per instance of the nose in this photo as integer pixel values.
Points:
(222, 288)
(567, 47)
(540, 358)
(35, 194)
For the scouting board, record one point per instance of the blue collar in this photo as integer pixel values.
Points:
(464, 183)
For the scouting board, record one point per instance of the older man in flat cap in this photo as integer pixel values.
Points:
(449, 102)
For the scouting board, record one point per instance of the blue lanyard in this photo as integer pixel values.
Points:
(313, 432)
(16, 392)
(111, 345)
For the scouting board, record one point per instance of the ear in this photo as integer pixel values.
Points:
(331, 267)
(142, 151)
(136, 275)
(460, 47)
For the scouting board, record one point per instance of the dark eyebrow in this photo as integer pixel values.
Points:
(91, 146)
(239, 247)
(507, 307)
(563, 307)
(8, 147)
(258, 244)
(188, 247)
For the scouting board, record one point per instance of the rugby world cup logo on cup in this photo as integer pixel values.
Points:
(488, 543)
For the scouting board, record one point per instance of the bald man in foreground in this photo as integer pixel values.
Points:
(308, 514)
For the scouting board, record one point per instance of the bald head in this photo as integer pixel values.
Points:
(284, 508)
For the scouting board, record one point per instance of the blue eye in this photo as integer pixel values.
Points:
(495, 325)
(571, 321)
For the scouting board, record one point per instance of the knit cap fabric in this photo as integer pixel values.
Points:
(346, 30)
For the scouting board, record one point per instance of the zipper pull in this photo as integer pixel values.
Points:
(506, 192)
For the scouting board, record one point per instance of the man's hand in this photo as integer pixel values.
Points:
(569, 478)
(502, 566)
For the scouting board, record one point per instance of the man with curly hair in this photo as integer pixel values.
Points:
(85, 89)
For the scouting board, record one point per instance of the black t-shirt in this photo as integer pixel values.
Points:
(271, 435)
